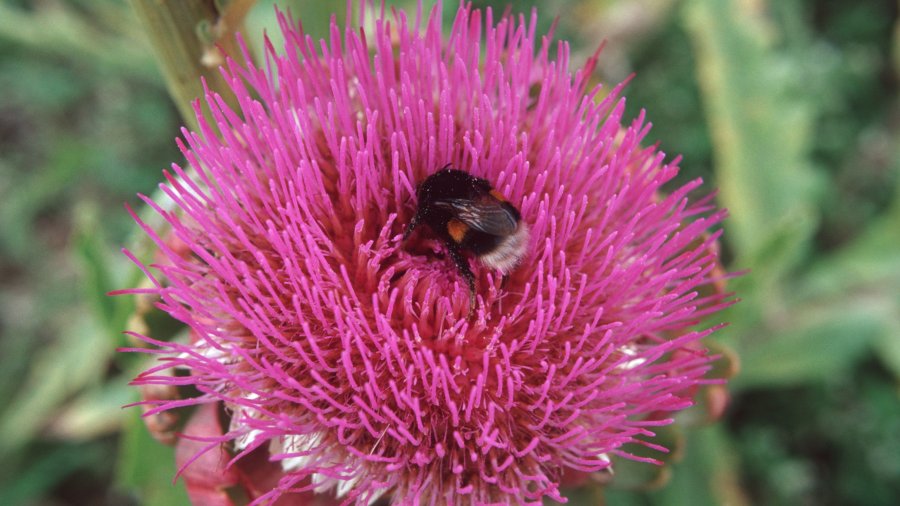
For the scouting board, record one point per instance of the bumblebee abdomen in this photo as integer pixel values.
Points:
(480, 243)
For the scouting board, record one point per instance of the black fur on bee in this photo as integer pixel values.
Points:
(469, 216)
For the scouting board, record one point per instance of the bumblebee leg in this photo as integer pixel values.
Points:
(503, 281)
(412, 226)
(463, 267)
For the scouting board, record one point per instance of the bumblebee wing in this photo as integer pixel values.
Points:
(486, 215)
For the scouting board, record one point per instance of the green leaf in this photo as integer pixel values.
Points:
(146, 467)
(47, 471)
(101, 273)
(864, 277)
(71, 32)
(793, 325)
(818, 343)
(79, 358)
(95, 413)
(761, 133)
(844, 305)
(887, 348)
(707, 475)
(93, 252)
(20, 208)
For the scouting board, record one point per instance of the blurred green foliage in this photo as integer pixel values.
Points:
(788, 106)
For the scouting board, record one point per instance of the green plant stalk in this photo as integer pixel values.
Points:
(190, 39)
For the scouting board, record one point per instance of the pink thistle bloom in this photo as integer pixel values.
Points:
(348, 354)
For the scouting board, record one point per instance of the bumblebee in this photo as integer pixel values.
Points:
(468, 215)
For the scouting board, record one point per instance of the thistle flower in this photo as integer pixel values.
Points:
(346, 354)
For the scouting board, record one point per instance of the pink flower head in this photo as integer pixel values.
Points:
(347, 353)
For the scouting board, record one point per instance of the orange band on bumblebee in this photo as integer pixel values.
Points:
(497, 195)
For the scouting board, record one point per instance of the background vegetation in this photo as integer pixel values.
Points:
(790, 107)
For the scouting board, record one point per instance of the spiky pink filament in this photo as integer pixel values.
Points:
(350, 356)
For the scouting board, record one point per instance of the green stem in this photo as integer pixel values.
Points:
(190, 39)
